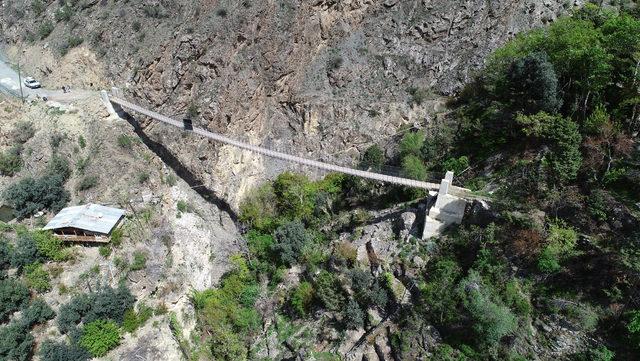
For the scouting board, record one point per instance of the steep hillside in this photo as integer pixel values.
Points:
(181, 241)
(319, 78)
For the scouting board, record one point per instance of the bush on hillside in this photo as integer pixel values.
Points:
(491, 320)
(302, 299)
(22, 132)
(13, 296)
(62, 351)
(373, 158)
(31, 195)
(99, 337)
(10, 161)
(16, 342)
(37, 278)
(290, 241)
(353, 316)
(37, 313)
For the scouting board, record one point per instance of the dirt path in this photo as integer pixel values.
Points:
(10, 84)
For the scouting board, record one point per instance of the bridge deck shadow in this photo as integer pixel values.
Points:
(183, 172)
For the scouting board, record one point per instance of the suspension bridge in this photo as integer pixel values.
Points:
(448, 208)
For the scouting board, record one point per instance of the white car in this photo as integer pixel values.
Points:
(29, 82)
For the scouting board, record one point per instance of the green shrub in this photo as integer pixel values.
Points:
(183, 206)
(133, 320)
(418, 95)
(37, 313)
(456, 165)
(99, 337)
(516, 298)
(412, 143)
(139, 261)
(491, 320)
(329, 291)
(49, 246)
(62, 351)
(10, 161)
(45, 29)
(70, 43)
(13, 296)
(227, 315)
(105, 251)
(22, 132)
(70, 314)
(302, 298)
(549, 260)
(154, 11)
(26, 252)
(116, 237)
(258, 210)
(38, 7)
(105, 303)
(353, 316)
(373, 158)
(64, 13)
(414, 168)
(125, 141)
(59, 166)
(16, 343)
(87, 182)
(82, 142)
(290, 241)
(31, 195)
(437, 292)
(37, 278)
(143, 177)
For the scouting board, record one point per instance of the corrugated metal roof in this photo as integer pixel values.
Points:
(89, 217)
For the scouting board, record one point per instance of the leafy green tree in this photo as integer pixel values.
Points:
(373, 158)
(491, 320)
(49, 246)
(583, 64)
(562, 137)
(329, 291)
(290, 241)
(595, 122)
(412, 143)
(302, 298)
(353, 316)
(13, 296)
(295, 195)
(414, 168)
(62, 351)
(437, 293)
(30, 195)
(531, 85)
(99, 337)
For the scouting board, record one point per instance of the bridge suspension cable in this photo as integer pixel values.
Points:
(283, 156)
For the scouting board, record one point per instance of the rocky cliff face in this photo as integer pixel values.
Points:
(323, 79)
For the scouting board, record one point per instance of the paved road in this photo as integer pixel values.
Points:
(10, 84)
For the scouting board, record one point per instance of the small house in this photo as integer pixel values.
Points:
(86, 223)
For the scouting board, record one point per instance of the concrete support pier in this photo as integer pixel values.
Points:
(446, 210)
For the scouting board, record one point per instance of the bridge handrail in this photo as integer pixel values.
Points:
(283, 156)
